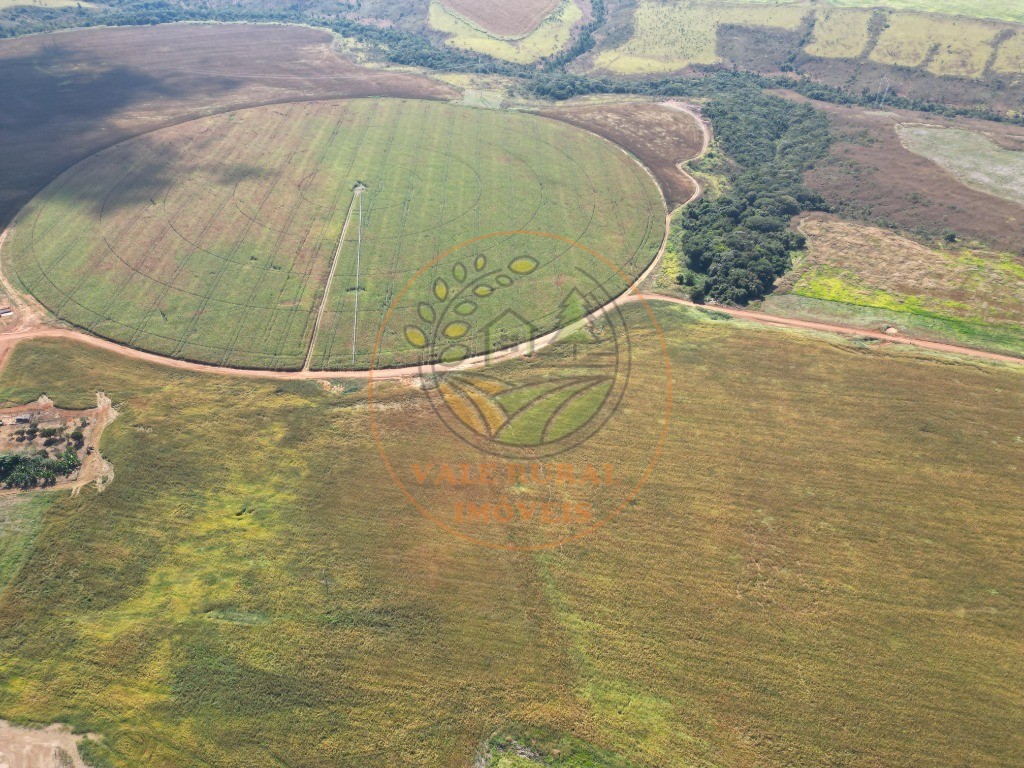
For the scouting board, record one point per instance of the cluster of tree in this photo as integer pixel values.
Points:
(25, 470)
(740, 242)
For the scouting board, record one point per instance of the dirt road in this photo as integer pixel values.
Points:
(845, 330)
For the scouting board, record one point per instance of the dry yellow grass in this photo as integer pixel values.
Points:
(1010, 59)
(671, 36)
(950, 46)
(839, 33)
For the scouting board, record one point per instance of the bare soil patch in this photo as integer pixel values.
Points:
(659, 136)
(52, 747)
(507, 19)
(68, 95)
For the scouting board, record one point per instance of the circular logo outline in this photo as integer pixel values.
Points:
(505, 354)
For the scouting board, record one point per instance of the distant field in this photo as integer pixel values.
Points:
(871, 175)
(672, 36)
(839, 33)
(969, 295)
(840, 527)
(949, 46)
(971, 157)
(214, 240)
(1011, 55)
(553, 34)
(506, 19)
(43, 4)
(1001, 10)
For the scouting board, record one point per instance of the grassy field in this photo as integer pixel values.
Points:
(214, 240)
(871, 175)
(1000, 10)
(1010, 59)
(971, 296)
(552, 34)
(971, 157)
(839, 33)
(825, 569)
(949, 46)
(21, 518)
(672, 36)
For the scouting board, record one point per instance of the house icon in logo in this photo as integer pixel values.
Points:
(508, 329)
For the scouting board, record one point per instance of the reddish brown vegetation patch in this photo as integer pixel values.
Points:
(870, 175)
(68, 95)
(660, 137)
(504, 18)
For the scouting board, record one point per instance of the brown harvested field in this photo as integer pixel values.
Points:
(68, 95)
(660, 137)
(870, 175)
(509, 19)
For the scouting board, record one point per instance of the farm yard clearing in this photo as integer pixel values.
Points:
(218, 244)
(49, 447)
(51, 747)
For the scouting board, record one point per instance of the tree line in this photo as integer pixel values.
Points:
(737, 244)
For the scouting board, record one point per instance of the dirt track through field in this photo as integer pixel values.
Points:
(330, 278)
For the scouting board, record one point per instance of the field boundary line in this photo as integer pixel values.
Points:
(359, 256)
(357, 193)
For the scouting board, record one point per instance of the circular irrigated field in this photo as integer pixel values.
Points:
(282, 236)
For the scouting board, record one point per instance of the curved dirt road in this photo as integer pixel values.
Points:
(8, 341)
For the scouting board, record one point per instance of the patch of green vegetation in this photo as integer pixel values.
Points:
(951, 319)
(25, 470)
(528, 747)
(21, 518)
